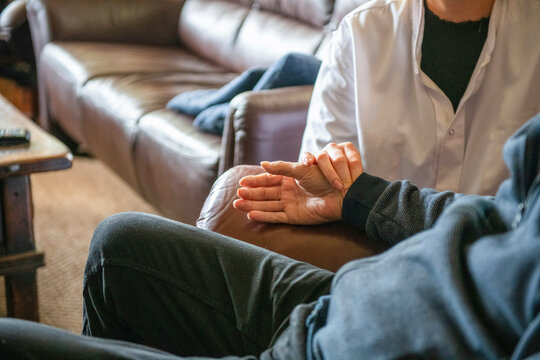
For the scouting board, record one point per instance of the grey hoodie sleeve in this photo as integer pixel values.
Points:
(392, 211)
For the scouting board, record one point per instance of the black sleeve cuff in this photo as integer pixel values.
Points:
(360, 199)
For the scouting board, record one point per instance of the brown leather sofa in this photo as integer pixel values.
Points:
(107, 68)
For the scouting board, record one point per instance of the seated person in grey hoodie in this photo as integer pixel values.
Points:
(461, 281)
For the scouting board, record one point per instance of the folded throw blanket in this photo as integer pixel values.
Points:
(210, 107)
(193, 102)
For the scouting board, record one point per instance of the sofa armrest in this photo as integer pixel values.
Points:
(265, 125)
(327, 246)
(133, 21)
(13, 15)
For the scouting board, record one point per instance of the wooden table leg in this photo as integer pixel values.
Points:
(18, 237)
(22, 296)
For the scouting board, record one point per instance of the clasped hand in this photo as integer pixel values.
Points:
(307, 192)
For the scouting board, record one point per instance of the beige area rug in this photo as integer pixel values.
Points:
(68, 205)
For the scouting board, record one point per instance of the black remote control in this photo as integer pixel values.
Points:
(14, 136)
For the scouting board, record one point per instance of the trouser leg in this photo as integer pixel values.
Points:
(25, 340)
(188, 291)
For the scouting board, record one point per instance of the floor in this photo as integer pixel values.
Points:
(68, 205)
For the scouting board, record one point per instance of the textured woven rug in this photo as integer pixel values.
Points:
(68, 205)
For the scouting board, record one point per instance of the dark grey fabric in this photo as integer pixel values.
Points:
(185, 291)
(190, 292)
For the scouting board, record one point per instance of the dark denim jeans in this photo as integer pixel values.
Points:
(179, 289)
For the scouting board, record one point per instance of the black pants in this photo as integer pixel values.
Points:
(182, 290)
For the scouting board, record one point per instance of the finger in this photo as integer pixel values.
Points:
(308, 158)
(354, 159)
(340, 163)
(261, 180)
(268, 217)
(250, 205)
(259, 193)
(325, 165)
(284, 168)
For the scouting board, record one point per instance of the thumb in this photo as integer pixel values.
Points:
(284, 168)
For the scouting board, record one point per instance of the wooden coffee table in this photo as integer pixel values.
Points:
(19, 258)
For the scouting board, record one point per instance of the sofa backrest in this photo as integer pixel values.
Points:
(242, 33)
(239, 34)
(121, 21)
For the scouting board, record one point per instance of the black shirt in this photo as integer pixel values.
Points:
(450, 52)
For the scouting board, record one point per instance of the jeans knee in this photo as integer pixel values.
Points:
(112, 236)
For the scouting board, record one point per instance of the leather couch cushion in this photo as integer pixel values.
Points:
(130, 96)
(239, 37)
(133, 21)
(84, 60)
(114, 105)
(209, 28)
(168, 146)
(67, 66)
(313, 12)
(266, 37)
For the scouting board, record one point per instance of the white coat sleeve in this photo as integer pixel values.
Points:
(331, 114)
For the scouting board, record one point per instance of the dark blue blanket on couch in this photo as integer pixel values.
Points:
(210, 107)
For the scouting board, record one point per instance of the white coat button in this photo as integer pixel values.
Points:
(451, 132)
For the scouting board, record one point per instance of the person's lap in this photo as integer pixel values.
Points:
(188, 291)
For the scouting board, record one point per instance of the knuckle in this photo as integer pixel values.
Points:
(322, 156)
(340, 159)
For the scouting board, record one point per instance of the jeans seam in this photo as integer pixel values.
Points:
(169, 279)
